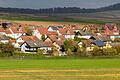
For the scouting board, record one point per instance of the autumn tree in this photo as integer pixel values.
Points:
(6, 49)
(28, 31)
(70, 44)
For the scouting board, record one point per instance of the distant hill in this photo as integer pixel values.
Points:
(60, 10)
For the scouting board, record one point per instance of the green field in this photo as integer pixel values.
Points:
(60, 69)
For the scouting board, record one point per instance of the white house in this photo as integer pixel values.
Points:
(14, 32)
(2, 31)
(66, 32)
(39, 32)
(52, 28)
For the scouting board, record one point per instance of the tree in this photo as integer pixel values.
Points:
(28, 31)
(110, 52)
(4, 25)
(117, 49)
(43, 37)
(55, 51)
(70, 44)
(96, 51)
(40, 53)
(6, 49)
(69, 52)
(81, 51)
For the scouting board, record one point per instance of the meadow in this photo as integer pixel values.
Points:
(60, 69)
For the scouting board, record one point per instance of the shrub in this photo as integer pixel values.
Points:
(110, 52)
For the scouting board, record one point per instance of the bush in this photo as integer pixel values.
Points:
(55, 51)
(104, 52)
(70, 44)
(110, 52)
(6, 50)
(117, 49)
(69, 52)
(81, 51)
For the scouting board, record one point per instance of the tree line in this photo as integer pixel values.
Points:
(60, 10)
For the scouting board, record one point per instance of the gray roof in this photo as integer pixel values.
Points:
(99, 43)
(36, 44)
(84, 33)
(59, 27)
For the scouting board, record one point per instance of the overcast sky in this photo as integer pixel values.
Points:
(56, 3)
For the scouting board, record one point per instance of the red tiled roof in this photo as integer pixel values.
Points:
(48, 43)
(51, 33)
(43, 30)
(59, 42)
(55, 37)
(8, 31)
(11, 41)
(66, 31)
(2, 30)
(17, 30)
(29, 38)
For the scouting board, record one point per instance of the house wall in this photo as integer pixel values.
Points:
(46, 48)
(15, 36)
(86, 37)
(2, 33)
(57, 46)
(4, 41)
(69, 36)
(16, 45)
(23, 48)
(37, 34)
(19, 40)
(58, 32)
(114, 37)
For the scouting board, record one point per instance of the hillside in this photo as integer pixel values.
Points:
(99, 16)
(60, 10)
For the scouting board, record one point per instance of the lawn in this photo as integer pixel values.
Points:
(60, 69)
(60, 64)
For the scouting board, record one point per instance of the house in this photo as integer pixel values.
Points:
(75, 28)
(84, 35)
(66, 32)
(52, 28)
(48, 45)
(43, 31)
(26, 38)
(59, 44)
(102, 37)
(99, 43)
(59, 27)
(15, 32)
(111, 29)
(31, 46)
(56, 37)
(114, 37)
(4, 39)
(2, 31)
(22, 39)
(39, 32)
(87, 44)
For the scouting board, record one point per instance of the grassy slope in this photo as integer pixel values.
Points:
(60, 69)
(60, 64)
(84, 18)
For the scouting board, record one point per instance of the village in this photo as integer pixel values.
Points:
(31, 39)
